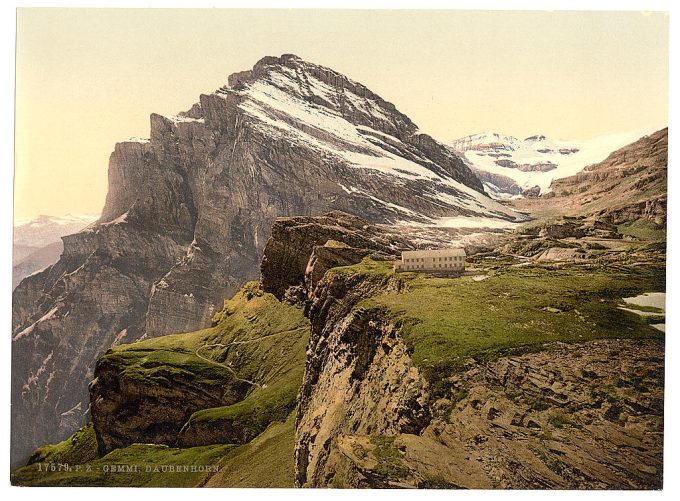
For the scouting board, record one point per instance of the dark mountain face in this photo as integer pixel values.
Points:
(189, 211)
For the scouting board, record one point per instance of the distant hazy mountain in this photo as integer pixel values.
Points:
(37, 242)
(45, 230)
(509, 166)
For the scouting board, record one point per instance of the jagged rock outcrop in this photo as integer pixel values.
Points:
(189, 210)
(287, 253)
(358, 376)
(333, 254)
(152, 408)
(561, 254)
(566, 239)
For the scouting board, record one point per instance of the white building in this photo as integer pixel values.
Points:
(450, 261)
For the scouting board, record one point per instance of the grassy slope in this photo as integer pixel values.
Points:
(448, 321)
(644, 230)
(78, 448)
(272, 339)
(267, 461)
(275, 359)
(249, 315)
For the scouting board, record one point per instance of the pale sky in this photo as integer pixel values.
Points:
(87, 79)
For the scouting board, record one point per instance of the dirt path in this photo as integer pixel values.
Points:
(248, 341)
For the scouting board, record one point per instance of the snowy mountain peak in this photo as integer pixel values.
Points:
(288, 87)
(366, 139)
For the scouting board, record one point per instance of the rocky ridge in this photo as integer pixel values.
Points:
(189, 210)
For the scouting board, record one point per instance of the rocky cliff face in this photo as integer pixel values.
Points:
(358, 376)
(569, 416)
(525, 423)
(189, 210)
(374, 413)
(294, 240)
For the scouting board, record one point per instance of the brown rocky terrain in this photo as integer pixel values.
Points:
(580, 407)
(570, 417)
(131, 409)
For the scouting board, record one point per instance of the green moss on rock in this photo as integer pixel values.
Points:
(449, 322)
(79, 447)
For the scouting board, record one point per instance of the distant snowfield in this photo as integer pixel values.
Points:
(653, 299)
(540, 150)
(473, 222)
